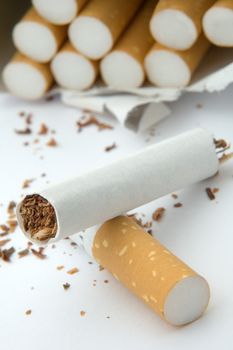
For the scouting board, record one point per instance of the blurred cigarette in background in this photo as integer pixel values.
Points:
(172, 68)
(177, 23)
(72, 70)
(218, 23)
(26, 78)
(100, 24)
(59, 12)
(36, 38)
(123, 66)
(150, 271)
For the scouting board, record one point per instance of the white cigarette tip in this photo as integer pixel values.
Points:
(24, 80)
(166, 69)
(120, 71)
(57, 12)
(90, 36)
(34, 40)
(218, 26)
(73, 71)
(173, 29)
(187, 301)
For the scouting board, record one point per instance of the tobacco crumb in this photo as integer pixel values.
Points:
(23, 253)
(60, 267)
(101, 268)
(52, 143)
(108, 317)
(43, 175)
(158, 214)
(26, 131)
(150, 232)
(49, 98)
(106, 281)
(225, 157)
(43, 129)
(92, 120)
(39, 218)
(178, 205)
(210, 193)
(220, 143)
(6, 254)
(110, 148)
(4, 242)
(174, 195)
(53, 246)
(12, 225)
(28, 312)
(38, 253)
(199, 105)
(4, 228)
(11, 207)
(22, 114)
(82, 313)
(90, 262)
(66, 286)
(27, 183)
(28, 119)
(73, 271)
(73, 243)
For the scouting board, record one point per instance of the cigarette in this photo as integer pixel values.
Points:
(100, 24)
(71, 206)
(26, 78)
(123, 67)
(218, 23)
(149, 270)
(59, 12)
(172, 68)
(36, 38)
(177, 23)
(72, 70)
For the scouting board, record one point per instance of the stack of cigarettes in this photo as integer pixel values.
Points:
(148, 269)
(125, 42)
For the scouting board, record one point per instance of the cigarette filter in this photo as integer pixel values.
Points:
(149, 270)
(72, 70)
(218, 23)
(36, 38)
(58, 12)
(172, 68)
(26, 78)
(123, 67)
(100, 24)
(177, 23)
(94, 197)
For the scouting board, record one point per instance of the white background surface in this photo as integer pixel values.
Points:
(200, 233)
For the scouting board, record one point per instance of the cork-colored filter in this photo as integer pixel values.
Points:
(142, 264)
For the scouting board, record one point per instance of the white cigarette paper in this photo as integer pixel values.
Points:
(123, 67)
(27, 79)
(36, 38)
(72, 70)
(59, 12)
(218, 23)
(130, 182)
(149, 270)
(170, 68)
(177, 23)
(100, 24)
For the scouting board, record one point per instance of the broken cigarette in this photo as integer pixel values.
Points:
(26, 78)
(123, 66)
(166, 284)
(72, 70)
(111, 190)
(177, 23)
(36, 38)
(59, 12)
(172, 68)
(218, 23)
(100, 24)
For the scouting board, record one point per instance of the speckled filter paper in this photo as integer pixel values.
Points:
(138, 261)
(103, 193)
